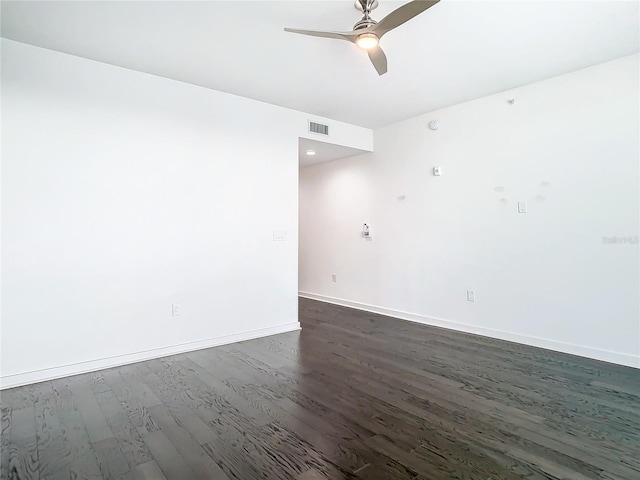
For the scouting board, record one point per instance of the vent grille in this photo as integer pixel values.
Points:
(318, 128)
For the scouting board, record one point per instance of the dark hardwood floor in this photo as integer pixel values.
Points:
(353, 396)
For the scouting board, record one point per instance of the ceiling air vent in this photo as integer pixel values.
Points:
(318, 128)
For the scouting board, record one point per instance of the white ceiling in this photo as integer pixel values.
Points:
(454, 52)
(323, 152)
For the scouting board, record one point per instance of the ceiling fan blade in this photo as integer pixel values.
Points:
(349, 36)
(379, 60)
(402, 15)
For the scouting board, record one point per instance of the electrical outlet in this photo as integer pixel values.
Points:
(471, 295)
(176, 310)
(522, 207)
(333, 278)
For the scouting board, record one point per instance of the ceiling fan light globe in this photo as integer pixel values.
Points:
(367, 41)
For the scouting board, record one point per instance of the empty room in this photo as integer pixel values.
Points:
(305, 240)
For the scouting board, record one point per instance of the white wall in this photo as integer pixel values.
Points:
(569, 147)
(123, 193)
(340, 133)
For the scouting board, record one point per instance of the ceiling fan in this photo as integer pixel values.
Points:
(367, 32)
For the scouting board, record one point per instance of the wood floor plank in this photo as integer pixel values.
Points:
(4, 442)
(381, 469)
(311, 475)
(126, 394)
(82, 462)
(198, 428)
(354, 395)
(540, 409)
(180, 400)
(97, 382)
(92, 415)
(17, 398)
(204, 467)
(326, 440)
(172, 464)
(143, 393)
(203, 381)
(54, 453)
(217, 362)
(129, 440)
(23, 445)
(147, 471)
(111, 461)
(271, 451)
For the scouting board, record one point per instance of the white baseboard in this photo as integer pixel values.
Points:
(35, 376)
(582, 351)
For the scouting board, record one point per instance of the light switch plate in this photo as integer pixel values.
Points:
(280, 236)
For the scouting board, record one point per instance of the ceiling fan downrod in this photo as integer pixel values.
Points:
(365, 6)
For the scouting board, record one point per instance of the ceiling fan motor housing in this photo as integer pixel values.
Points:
(364, 23)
